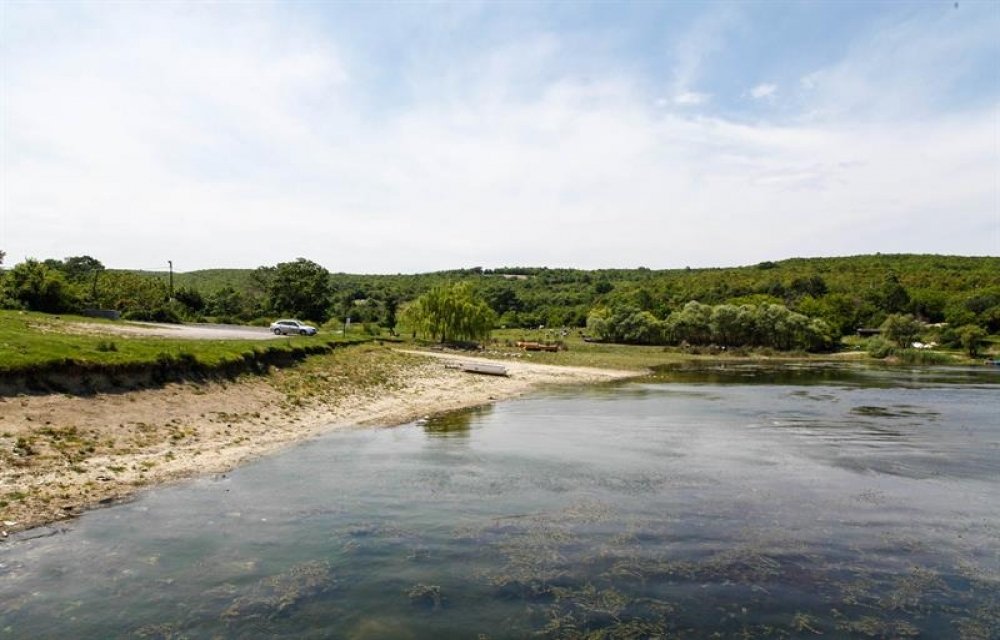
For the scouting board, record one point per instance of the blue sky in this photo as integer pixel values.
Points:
(403, 137)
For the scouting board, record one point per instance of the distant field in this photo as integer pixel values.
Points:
(620, 356)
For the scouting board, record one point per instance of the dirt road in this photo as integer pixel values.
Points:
(183, 331)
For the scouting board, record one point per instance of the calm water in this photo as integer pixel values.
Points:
(732, 503)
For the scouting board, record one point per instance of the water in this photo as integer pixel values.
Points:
(737, 502)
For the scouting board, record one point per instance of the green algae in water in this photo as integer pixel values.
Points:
(765, 510)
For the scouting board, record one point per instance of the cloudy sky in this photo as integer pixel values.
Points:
(405, 137)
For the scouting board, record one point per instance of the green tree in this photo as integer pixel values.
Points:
(390, 307)
(226, 304)
(727, 325)
(130, 293)
(892, 296)
(692, 324)
(902, 329)
(301, 289)
(972, 337)
(603, 286)
(81, 268)
(190, 298)
(626, 324)
(813, 285)
(503, 299)
(820, 336)
(450, 312)
(775, 326)
(599, 324)
(35, 286)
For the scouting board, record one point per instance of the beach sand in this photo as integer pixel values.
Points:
(60, 454)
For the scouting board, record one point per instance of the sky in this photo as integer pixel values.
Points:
(410, 137)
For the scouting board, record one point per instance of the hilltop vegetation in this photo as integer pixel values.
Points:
(805, 303)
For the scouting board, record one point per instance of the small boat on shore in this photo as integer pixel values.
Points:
(488, 368)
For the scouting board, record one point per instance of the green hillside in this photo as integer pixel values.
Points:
(844, 293)
(856, 290)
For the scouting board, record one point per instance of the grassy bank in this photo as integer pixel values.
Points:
(579, 353)
(64, 353)
(41, 352)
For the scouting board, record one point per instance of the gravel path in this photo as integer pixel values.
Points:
(188, 331)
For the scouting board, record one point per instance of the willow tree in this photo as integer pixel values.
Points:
(450, 312)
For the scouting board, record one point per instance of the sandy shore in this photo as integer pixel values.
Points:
(60, 455)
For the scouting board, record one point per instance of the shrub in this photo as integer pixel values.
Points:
(972, 338)
(35, 286)
(902, 329)
(919, 356)
(880, 348)
(159, 314)
(106, 346)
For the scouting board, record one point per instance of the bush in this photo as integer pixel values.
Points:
(159, 314)
(625, 323)
(106, 345)
(919, 356)
(880, 348)
(972, 338)
(902, 329)
(33, 285)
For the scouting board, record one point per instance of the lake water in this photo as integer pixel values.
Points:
(736, 502)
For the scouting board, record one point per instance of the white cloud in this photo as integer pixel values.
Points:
(240, 146)
(691, 98)
(910, 68)
(764, 91)
(704, 38)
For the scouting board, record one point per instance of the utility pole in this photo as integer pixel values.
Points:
(171, 263)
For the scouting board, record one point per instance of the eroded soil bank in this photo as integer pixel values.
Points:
(62, 454)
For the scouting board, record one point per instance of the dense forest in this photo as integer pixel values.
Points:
(816, 300)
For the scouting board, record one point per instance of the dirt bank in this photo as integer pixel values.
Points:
(62, 454)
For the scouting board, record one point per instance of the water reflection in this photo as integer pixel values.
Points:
(825, 373)
(454, 424)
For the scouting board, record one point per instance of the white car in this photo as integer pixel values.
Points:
(284, 327)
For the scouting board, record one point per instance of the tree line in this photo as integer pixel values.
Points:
(807, 300)
(725, 325)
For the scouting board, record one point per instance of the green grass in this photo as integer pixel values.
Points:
(636, 357)
(37, 342)
(343, 373)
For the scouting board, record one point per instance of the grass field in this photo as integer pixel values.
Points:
(580, 353)
(37, 341)
(632, 357)
(32, 342)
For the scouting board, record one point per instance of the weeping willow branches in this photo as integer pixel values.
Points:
(450, 312)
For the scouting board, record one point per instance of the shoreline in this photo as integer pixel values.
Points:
(73, 453)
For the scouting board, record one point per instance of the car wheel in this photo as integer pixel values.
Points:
(303, 332)
(277, 332)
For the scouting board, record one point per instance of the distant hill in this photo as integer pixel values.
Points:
(957, 273)
(208, 280)
(847, 291)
